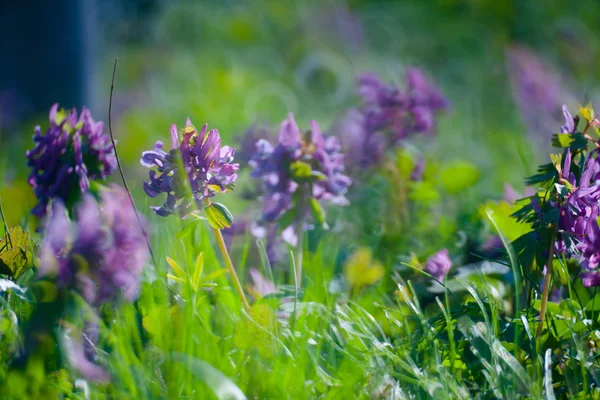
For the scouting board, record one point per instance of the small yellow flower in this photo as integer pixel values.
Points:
(361, 270)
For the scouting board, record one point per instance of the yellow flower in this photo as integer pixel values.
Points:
(361, 270)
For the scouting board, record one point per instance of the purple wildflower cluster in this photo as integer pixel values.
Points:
(73, 151)
(101, 253)
(538, 91)
(577, 199)
(310, 160)
(196, 168)
(439, 264)
(388, 115)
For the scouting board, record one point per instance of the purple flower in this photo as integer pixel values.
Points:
(80, 356)
(388, 115)
(73, 151)
(439, 264)
(197, 167)
(275, 166)
(101, 254)
(539, 93)
(590, 279)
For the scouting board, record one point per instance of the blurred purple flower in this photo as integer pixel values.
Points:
(196, 168)
(539, 93)
(101, 254)
(73, 151)
(248, 141)
(336, 21)
(387, 116)
(439, 264)
(262, 286)
(80, 355)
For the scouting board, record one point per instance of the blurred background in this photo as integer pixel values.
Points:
(505, 66)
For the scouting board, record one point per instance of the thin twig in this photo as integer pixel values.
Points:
(5, 225)
(112, 138)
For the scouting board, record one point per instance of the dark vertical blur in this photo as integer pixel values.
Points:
(45, 48)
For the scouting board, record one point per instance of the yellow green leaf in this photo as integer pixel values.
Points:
(361, 270)
(587, 112)
(176, 268)
(175, 278)
(16, 255)
(198, 271)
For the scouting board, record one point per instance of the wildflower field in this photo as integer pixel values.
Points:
(309, 200)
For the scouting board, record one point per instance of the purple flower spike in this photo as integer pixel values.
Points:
(101, 254)
(273, 166)
(388, 115)
(196, 167)
(73, 151)
(569, 126)
(439, 264)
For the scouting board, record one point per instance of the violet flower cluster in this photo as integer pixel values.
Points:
(73, 151)
(197, 167)
(439, 264)
(538, 91)
(575, 200)
(388, 115)
(101, 254)
(309, 165)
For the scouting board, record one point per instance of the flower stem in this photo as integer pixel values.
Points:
(300, 242)
(547, 284)
(229, 264)
(114, 144)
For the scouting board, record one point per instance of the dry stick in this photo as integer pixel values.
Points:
(112, 138)
(229, 263)
(547, 282)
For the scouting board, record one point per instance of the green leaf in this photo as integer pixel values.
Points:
(179, 272)
(458, 175)
(405, 164)
(17, 254)
(504, 220)
(188, 230)
(300, 170)
(424, 193)
(574, 141)
(257, 331)
(218, 216)
(316, 210)
(221, 385)
(198, 271)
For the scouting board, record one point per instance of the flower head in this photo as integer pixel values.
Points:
(101, 254)
(73, 151)
(297, 161)
(196, 167)
(439, 264)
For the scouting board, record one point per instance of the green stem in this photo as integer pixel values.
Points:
(5, 225)
(547, 284)
(114, 144)
(229, 264)
(300, 234)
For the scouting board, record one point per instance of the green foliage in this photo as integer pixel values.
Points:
(16, 253)
(458, 176)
